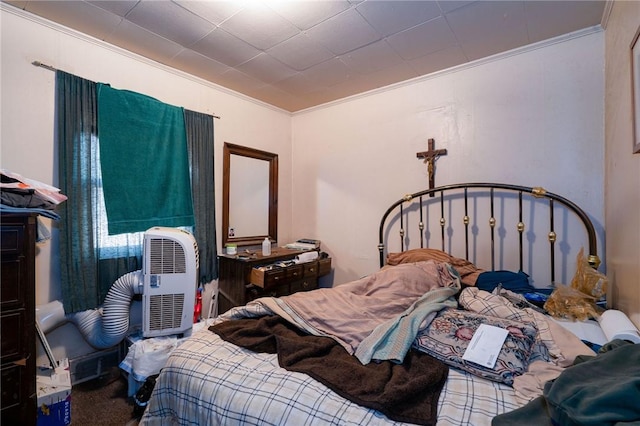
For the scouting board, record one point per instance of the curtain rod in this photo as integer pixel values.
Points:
(50, 68)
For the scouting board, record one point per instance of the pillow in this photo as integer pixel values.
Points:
(467, 270)
(448, 335)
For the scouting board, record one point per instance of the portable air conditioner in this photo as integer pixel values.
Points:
(170, 280)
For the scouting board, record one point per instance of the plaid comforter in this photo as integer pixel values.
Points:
(208, 381)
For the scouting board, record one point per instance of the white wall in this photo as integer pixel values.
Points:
(27, 126)
(622, 179)
(534, 118)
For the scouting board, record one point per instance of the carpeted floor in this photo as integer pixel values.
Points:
(102, 402)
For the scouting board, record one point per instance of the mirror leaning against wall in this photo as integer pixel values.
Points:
(249, 195)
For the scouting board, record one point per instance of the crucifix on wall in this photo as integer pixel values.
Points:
(430, 158)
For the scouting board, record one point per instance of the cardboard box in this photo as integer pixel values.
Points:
(54, 395)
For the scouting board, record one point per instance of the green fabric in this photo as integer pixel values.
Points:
(200, 142)
(601, 391)
(144, 162)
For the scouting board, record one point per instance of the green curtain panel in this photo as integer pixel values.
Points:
(144, 161)
(200, 142)
(76, 108)
(88, 266)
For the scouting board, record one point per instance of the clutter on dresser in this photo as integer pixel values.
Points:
(249, 274)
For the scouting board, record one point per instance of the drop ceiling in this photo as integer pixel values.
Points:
(299, 54)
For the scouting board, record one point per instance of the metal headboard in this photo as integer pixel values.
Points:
(428, 197)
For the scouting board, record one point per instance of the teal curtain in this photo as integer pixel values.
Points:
(199, 128)
(89, 262)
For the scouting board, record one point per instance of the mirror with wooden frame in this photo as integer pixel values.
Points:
(249, 195)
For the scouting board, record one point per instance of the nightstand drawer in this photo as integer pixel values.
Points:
(324, 266)
(304, 285)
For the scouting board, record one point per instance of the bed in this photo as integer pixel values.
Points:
(379, 350)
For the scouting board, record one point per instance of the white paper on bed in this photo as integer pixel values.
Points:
(485, 345)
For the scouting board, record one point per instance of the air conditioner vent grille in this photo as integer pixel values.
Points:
(166, 257)
(165, 311)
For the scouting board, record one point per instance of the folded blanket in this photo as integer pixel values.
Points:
(405, 392)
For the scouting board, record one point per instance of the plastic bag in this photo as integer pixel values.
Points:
(568, 303)
(587, 280)
(578, 302)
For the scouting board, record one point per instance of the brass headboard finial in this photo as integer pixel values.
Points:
(408, 197)
(538, 191)
(594, 261)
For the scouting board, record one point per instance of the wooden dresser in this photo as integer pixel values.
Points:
(17, 313)
(244, 278)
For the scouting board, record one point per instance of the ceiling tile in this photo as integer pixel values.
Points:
(19, 4)
(274, 96)
(81, 16)
(223, 47)
(266, 68)
(344, 32)
(371, 58)
(306, 14)
(300, 52)
(423, 39)
(485, 28)
(449, 5)
(387, 76)
(318, 97)
(171, 21)
(389, 17)
(215, 12)
(138, 40)
(298, 84)
(119, 7)
(198, 65)
(328, 73)
(238, 81)
(550, 19)
(437, 61)
(259, 26)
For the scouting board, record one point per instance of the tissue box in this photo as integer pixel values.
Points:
(54, 395)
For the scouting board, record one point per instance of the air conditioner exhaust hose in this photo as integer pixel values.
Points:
(104, 327)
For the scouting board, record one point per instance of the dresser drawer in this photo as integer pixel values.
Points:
(14, 346)
(11, 239)
(12, 375)
(12, 293)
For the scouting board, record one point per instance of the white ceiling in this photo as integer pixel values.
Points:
(298, 54)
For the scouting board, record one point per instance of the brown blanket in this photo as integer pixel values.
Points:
(406, 392)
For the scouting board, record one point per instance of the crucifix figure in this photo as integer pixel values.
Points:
(430, 158)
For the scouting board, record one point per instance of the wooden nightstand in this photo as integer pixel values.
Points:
(244, 278)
